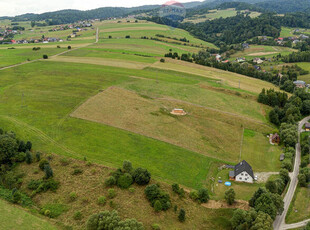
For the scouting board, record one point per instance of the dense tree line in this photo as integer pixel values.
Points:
(272, 98)
(285, 6)
(304, 173)
(297, 57)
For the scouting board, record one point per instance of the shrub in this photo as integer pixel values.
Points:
(155, 227)
(38, 156)
(181, 215)
(48, 171)
(34, 184)
(28, 157)
(102, 200)
(58, 47)
(77, 215)
(125, 181)
(77, 171)
(287, 164)
(127, 36)
(230, 196)
(69, 47)
(42, 164)
(141, 176)
(111, 193)
(194, 195)
(47, 213)
(157, 206)
(127, 166)
(110, 181)
(45, 56)
(180, 191)
(132, 190)
(175, 208)
(203, 195)
(20, 157)
(162, 60)
(72, 196)
(16, 196)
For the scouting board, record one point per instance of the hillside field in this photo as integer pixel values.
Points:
(65, 105)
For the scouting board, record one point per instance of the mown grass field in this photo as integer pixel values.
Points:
(38, 98)
(262, 51)
(214, 14)
(14, 217)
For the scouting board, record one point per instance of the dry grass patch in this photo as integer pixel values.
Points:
(204, 130)
(130, 204)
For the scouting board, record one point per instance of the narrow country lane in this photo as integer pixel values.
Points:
(279, 223)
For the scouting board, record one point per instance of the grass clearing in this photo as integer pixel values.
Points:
(305, 66)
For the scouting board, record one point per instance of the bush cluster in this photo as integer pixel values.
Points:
(180, 191)
(157, 196)
(111, 220)
(202, 195)
(126, 176)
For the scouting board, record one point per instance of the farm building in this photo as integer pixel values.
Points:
(299, 84)
(179, 112)
(275, 138)
(307, 126)
(242, 172)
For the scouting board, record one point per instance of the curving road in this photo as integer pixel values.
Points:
(279, 223)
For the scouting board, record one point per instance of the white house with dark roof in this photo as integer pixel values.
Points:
(242, 172)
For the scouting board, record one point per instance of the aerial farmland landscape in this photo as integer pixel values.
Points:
(165, 115)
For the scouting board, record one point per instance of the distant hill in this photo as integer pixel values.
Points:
(285, 6)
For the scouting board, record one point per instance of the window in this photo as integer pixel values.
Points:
(241, 174)
(246, 174)
(246, 178)
(240, 178)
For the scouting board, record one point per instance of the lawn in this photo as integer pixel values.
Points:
(14, 217)
(300, 206)
(286, 32)
(268, 160)
(244, 191)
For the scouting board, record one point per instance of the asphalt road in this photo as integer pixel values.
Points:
(279, 223)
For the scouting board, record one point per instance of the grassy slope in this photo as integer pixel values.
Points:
(89, 186)
(37, 102)
(13, 217)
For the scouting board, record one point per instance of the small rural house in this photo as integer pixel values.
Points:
(299, 84)
(282, 157)
(242, 172)
(307, 126)
(275, 138)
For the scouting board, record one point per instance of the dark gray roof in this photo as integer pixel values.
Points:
(307, 125)
(282, 157)
(244, 166)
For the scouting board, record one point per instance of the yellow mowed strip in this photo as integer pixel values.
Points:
(101, 61)
(227, 78)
